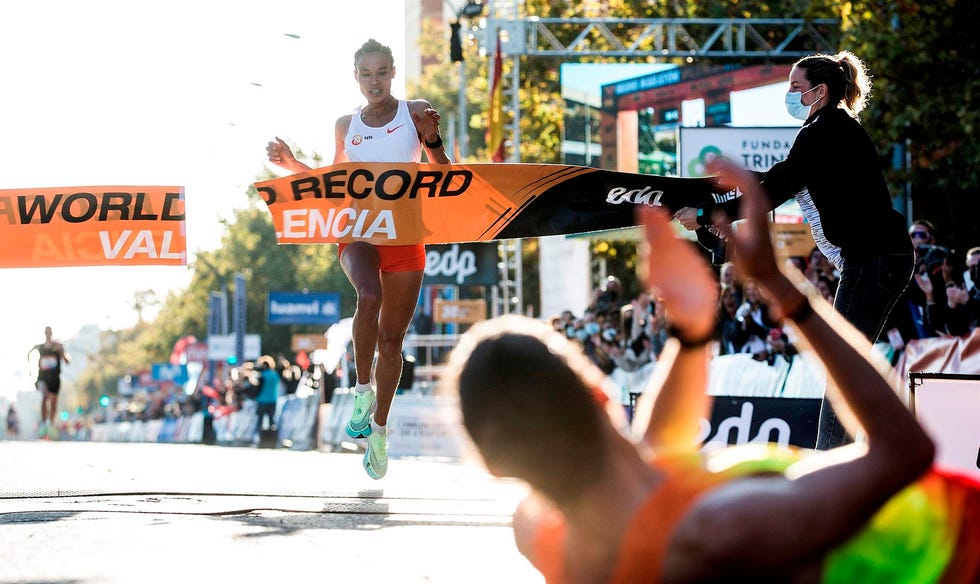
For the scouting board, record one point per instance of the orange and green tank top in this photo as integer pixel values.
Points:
(927, 533)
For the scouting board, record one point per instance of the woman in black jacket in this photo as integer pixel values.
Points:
(834, 172)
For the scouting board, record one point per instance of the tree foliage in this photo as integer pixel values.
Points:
(249, 247)
(923, 57)
(925, 64)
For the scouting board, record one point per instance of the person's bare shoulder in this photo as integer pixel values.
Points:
(530, 514)
(343, 122)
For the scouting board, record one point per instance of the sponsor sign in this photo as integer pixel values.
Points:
(92, 226)
(196, 352)
(418, 425)
(426, 426)
(142, 381)
(459, 311)
(792, 239)
(650, 81)
(780, 420)
(756, 149)
(410, 203)
(462, 264)
(308, 343)
(220, 347)
(169, 373)
(321, 308)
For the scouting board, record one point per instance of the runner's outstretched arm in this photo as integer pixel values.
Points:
(832, 494)
(669, 412)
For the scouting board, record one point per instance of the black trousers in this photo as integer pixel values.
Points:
(866, 294)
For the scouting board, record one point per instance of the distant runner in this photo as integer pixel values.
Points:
(51, 354)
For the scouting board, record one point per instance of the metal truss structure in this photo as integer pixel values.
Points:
(731, 38)
(663, 38)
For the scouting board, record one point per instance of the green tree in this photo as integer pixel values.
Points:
(923, 57)
(121, 353)
(143, 299)
(249, 247)
(925, 63)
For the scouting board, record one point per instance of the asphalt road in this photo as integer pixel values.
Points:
(80, 512)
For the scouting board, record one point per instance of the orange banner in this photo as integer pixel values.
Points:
(92, 226)
(407, 203)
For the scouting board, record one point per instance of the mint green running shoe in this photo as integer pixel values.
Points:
(376, 455)
(359, 425)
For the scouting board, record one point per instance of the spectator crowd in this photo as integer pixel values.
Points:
(624, 336)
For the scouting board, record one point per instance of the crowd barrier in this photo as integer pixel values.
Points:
(296, 425)
(295, 421)
(179, 429)
(754, 402)
(953, 355)
(942, 377)
(758, 402)
(418, 425)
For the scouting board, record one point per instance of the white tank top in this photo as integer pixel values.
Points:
(396, 141)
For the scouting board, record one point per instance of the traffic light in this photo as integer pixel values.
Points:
(455, 43)
(233, 360)
(104, 401)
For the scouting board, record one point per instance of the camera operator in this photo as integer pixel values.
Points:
(962, 307)
(628, 357)
(755, 321)
(608, 297)
(933, 274)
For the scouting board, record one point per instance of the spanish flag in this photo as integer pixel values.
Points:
(495, 127)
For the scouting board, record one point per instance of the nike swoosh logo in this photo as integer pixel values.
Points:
(390, 130)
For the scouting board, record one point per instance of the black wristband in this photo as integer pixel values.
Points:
(436, 144)
(688, 342)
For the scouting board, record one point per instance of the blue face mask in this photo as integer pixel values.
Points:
(794, 104)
